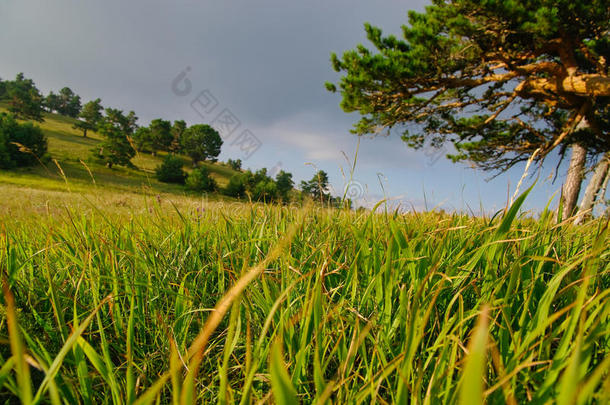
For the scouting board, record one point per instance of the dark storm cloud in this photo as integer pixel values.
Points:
(268, 59)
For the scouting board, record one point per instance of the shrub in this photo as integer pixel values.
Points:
(170, 171)
(22, 144)
(265, 190)
(200, 180)
(236, 187)
(234, 164)
(5, 158)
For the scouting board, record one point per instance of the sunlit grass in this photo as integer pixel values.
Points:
(313, 304)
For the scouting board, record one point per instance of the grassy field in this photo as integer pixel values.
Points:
(72, 152)
(115, 297)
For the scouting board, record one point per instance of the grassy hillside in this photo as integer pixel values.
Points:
(112, 295)
(73, 154)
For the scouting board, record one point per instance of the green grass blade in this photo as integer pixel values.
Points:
(17, 348)
(281, 383)
(475, 370)
(67, 347)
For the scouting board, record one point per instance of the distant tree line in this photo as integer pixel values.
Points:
(259, 186)
(122, 136)
(256, 186)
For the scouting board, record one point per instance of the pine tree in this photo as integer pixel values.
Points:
(116, 147)
(498, 79)
(25, 100)
(284, 185)
(317, 187)
(90, 116)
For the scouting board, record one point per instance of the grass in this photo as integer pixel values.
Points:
(120, 289)
(115, 297)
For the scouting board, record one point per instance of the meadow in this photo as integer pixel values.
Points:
(120, 289)
(122, 297)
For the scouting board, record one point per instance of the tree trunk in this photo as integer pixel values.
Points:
(571, 187)
(602, 195)
(593, 189)
(85, 133)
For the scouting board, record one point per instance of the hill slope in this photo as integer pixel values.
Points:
(71, 152)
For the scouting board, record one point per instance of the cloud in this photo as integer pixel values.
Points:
(311, 144)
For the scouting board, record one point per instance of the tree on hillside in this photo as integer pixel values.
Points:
(69, 103)
(25, 101)
(265, 191)
(235, 164)
(236, 186)
(90, 116)
(317, 187)
(258, 176)
(200, 180)
(142, 139)
(5, 158)
(161, 135)
(260, 186)
(201, 142)
(132, 123)
(177, 130)
(52, 102)
(497, 79)
(2, 89)
(116, 147)
(284, 185)
(20, 144)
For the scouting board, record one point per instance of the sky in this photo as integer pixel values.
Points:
(256, 70)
